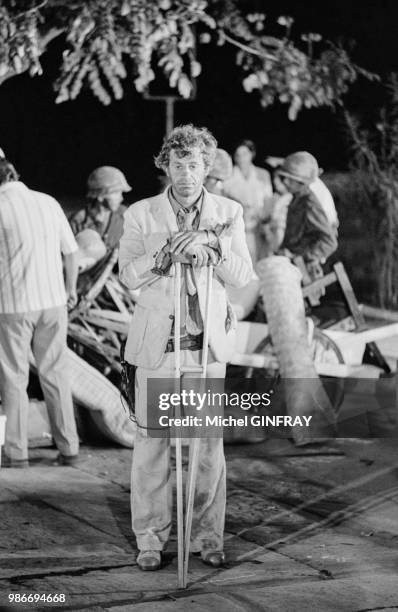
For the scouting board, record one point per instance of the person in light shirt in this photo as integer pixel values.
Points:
(34, 234)
(252, 187)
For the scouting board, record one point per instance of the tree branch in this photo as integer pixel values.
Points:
(246, 48)
(32, 9)
(51, 34)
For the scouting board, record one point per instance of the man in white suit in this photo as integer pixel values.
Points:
(184, 219)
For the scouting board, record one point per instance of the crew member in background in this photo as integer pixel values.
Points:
(220, 172)
(33, 316)
(104, 211)
(242, 299)
(282, 198)
(185, 218)
(300, 227)
(252, 187)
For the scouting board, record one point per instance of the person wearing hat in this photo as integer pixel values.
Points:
(220, 172)
(317, 186)
(307, 231)
(104, 211)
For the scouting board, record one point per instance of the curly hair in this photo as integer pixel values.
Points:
(182, 140)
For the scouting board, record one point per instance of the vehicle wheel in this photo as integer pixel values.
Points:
(324, 350)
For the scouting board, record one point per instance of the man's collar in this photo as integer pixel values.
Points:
(177, 206)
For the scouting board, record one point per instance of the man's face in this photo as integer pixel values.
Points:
(214, 185)
(112, 200)
(188, 173)
(292, 186)
(279, 185)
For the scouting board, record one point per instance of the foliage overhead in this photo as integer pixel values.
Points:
(108, 42)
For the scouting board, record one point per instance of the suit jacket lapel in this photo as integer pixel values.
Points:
(209, 215)
(163, 213)
(209, 218)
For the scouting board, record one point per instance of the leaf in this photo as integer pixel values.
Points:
(251, 82)
(294, 108)
(205, 38)
(184, 86)
(17, 63)
(196, 69)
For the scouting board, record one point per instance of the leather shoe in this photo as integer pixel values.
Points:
(8, 462)
(149, 560)
(69, 460)
(215, 558)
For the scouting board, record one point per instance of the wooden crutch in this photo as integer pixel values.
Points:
(184, 544)
(178, 441)
(195, 442)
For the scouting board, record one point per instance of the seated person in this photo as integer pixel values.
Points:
(319, 188)
(104, 210)
(300, 227)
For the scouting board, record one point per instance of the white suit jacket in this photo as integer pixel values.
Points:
(147, 225)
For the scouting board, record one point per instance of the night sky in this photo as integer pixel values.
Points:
(55, 146)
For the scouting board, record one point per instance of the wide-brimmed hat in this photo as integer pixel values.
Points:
(105, 180)
(301, 167)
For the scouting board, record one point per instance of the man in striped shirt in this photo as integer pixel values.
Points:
(33, 315)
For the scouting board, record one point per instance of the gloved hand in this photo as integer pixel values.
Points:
(202, 256)
(71, 299)
(314, 269)
(163, 261)
(188, 239)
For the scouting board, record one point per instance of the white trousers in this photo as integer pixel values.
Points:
(151, 481)
(43, 331)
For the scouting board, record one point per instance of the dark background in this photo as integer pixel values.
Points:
(55, 146)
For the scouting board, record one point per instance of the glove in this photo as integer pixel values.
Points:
(202, 256)
(163, 261)
(314, 269)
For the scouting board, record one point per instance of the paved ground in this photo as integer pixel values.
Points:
(305, 531)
